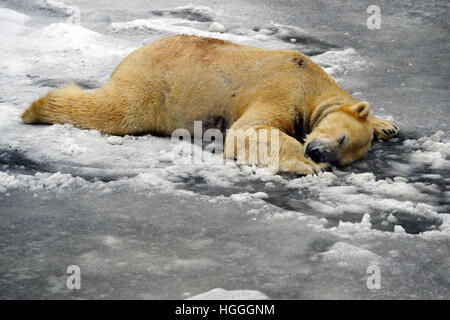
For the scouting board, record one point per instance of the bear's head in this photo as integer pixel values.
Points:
(342, 136)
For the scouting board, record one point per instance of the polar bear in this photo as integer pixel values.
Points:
(174, 81)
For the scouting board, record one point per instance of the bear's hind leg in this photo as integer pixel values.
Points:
(102, 110)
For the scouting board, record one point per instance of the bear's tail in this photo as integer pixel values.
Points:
(56, 107)
(72, 105)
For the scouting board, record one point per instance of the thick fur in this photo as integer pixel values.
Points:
(171, 82)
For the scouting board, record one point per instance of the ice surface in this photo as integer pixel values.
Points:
(143, 220)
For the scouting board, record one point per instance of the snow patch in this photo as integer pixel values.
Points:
(242, 197)
(190, 12)
(432, 151)
(222, 294)
(350, 256)
(399, 229)
(57, 6)
(115, 140)
(386, 187)
(8, 16)
(338, 62)
(442, 234)
(78, 38)
(217, 27)
(53, 182)
(351, 228)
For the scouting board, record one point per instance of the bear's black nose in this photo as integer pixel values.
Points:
(313, 152)
(315, 155)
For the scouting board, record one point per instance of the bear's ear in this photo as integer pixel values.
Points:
(362, 109)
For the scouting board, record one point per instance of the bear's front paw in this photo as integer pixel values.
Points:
(383, 129)
(300, 167)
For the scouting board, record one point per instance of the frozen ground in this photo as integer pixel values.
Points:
(143, 221)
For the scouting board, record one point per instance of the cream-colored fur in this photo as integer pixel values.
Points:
(170, 83)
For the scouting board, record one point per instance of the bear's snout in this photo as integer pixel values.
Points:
(320, 151)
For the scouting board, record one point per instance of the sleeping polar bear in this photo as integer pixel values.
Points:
(172, 82)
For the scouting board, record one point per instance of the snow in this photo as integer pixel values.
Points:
(391, 219)
(348, 227)
(239, 197)
(9, 17)
(338, 63)
(146, 221)
(60, 7)
(77, 38)
(432, 152)
(49, 182)
(115, 140)
(350, 256)
(222, 294)
(217, 27)
(190, 12)
(386, 187)
(399, 229)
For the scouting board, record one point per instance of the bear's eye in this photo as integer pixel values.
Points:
(341, 140)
